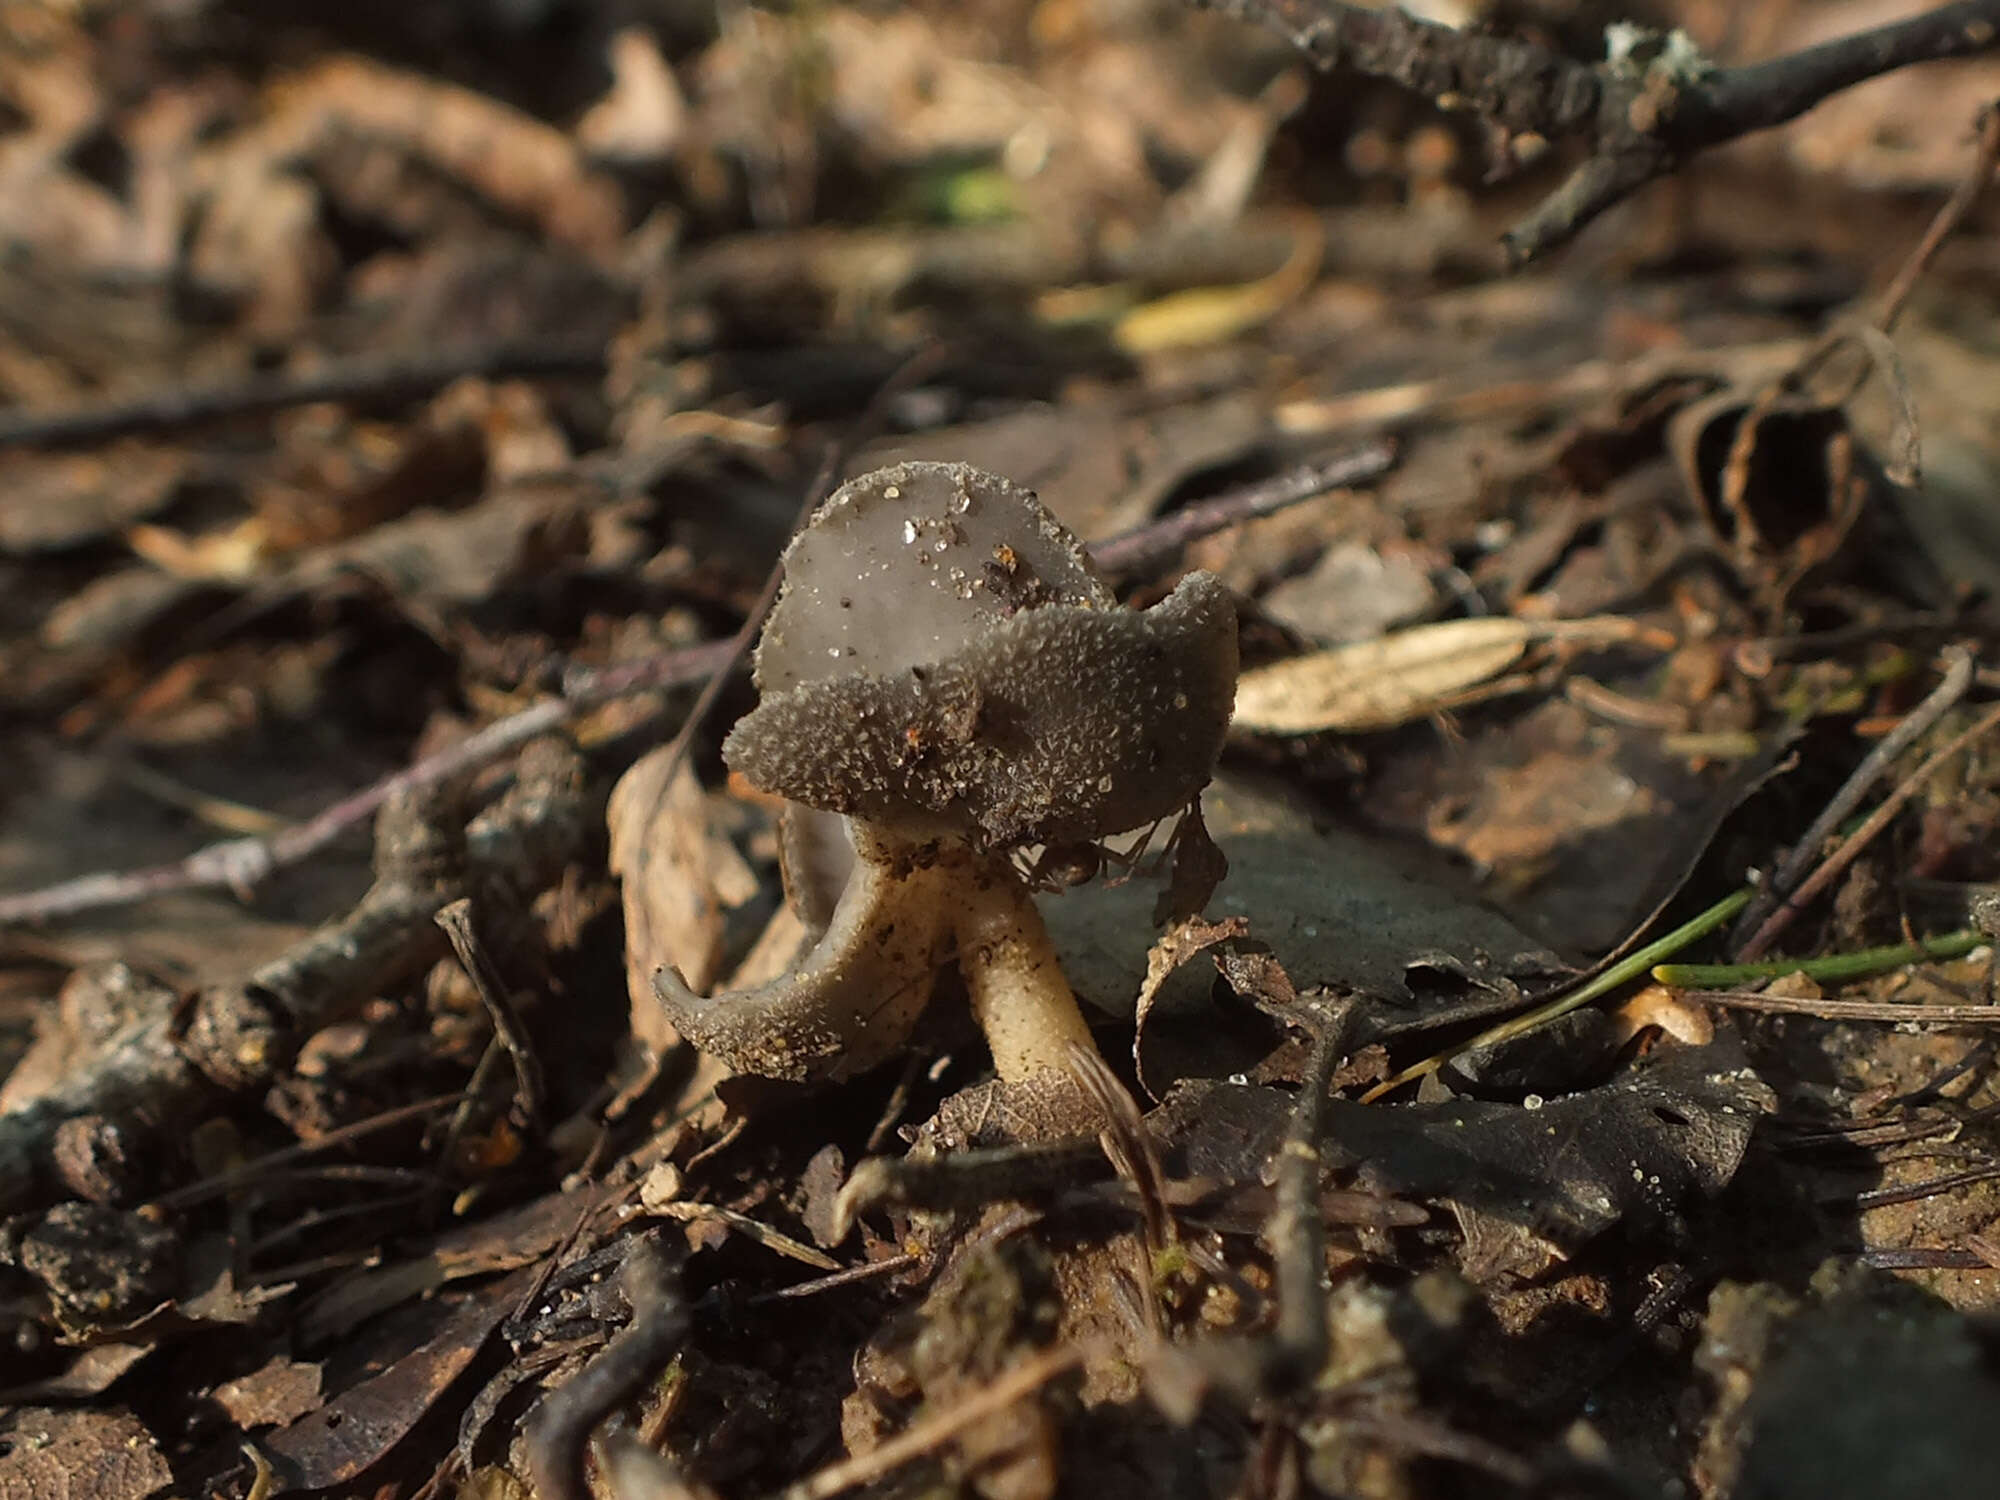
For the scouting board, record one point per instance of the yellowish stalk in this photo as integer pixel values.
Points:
(1014, 980)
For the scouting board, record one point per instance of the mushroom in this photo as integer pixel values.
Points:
(946, 673)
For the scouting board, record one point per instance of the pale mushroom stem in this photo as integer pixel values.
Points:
(1014, 979)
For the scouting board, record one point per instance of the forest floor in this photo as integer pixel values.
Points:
(1582, 1081)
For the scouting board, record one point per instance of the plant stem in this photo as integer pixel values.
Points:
(1833, 969)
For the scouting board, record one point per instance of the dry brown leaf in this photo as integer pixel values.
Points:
(679, 878)
(645, 115)
(520, 165)
(1399, 678)
(53, 501)
(282, 1391)
(1906, 130)
(1175, 947)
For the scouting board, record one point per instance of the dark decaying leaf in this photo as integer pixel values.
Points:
(1529, 1184)
(363, 1424)
(70, 1455)
(99, 1266)
(1335, 909)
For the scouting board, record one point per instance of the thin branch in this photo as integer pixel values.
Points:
(1643, 112)
(1760, 95)
(239, 864)
(1891, 1012)
(1295, 1234)
(1925, 1260)
(1149, 545)
(1947, 221)
(1850, 848)
(173, 1060)
(229, 1179)
(1912, 1192)
(1516, 84)
(1779, 888)
(397, 377)
(1872, 332)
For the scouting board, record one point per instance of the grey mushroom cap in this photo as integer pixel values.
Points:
(978, 683)
(904, 566)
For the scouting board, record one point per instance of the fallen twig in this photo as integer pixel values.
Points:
(1875, 765)
(558, 1429)
(1646, 109)
(1870, 332)
(996, 1395)
(232, 1178)
(1946, 221)
(373, 377)
(1912, 1192)
(1893, 1012)
(1146, 546)
(1925, 1260)
(240, 864)
(1760, 941)
(236, 1038)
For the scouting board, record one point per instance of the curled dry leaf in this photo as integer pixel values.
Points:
(1402, 677)
(679, 878)
(644, 116)
(518, 164)
(1180, 943)
(1782, 482)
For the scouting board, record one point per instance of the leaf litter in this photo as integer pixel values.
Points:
(403, 413)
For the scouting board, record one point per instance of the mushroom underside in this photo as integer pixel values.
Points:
(857, 995)
(1060, 726)
(852, 1002)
